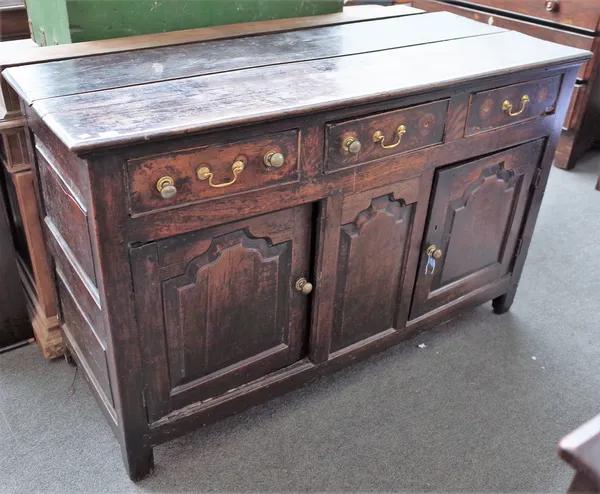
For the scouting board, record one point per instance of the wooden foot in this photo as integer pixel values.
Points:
(502, 304)
(69, 358)
(139, 462)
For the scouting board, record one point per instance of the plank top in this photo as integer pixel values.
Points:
(177, 62)
(249, 80)
(35, 54)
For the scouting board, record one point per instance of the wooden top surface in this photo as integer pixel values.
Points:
(125, 98)
(35, 54)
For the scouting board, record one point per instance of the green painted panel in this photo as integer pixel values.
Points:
(52, 17)
(89, 20)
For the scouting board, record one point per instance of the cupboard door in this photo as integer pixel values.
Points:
(218, 308)
(474, 223)
(372, 238)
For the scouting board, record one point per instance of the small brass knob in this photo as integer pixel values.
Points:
(352, 145)
(166, 187)
(274, 159)
(304, 286)
(552, 5)
(434, 252)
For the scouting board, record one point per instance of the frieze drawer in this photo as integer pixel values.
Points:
(360, 140)
(207, 172)
(511, 104)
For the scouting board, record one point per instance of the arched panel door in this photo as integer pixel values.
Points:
(218, 308)
(474, 224)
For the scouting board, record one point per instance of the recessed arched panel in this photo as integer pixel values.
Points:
(221, 309)
(371, 262)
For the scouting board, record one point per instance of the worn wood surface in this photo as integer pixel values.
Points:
(486, 109)
(14, 321)
(87, 121)
(583, 14)
(177, 62)
(554, 34)
(193, 304)
(580, 127)
(34, 54)
(423, 126)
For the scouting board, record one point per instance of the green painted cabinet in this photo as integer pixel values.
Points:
(71, 21)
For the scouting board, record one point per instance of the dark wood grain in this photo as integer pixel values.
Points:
(486, 108)
(424, 126)
(28, 52)
(582, 14)
(488, 197)
(84, 122)
(14, 321)
(143, 174)
(556, 35)
(200, 313)
(178, 62)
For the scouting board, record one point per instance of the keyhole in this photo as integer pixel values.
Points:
(435, 228)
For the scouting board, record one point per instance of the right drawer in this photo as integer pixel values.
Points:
(583, 14)
(511, 104)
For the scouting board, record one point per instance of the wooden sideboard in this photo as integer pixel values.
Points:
(569, 22)
(226, 228)
(22, 209)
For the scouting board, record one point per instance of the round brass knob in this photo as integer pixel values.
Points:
(304, 286)
(552, 5)
(274, 159)
(352, 145)
(166, 187)
(434, 252)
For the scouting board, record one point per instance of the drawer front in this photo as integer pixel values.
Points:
(358, 141)
(554, 34)
(511, 104)
(583, 14)
(212, 171)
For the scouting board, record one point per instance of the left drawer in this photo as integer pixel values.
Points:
(212, 171)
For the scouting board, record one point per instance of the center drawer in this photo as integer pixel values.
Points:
(192, 175)
(357, 141)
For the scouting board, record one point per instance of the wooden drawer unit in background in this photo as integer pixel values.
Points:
(187, 295)
(568, 22)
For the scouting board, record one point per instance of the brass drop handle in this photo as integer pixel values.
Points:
(204, 173)
(302, 285)
(273, 159)
(552, 5)
(507, 106)
(166, 187)
(352, 145)
(380, 138)
(433, 253)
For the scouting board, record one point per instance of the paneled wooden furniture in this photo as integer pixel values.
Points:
(581, 450)
(13, 20)
(227, 229)
(14, 323)
(23, 212)
(569, 22)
